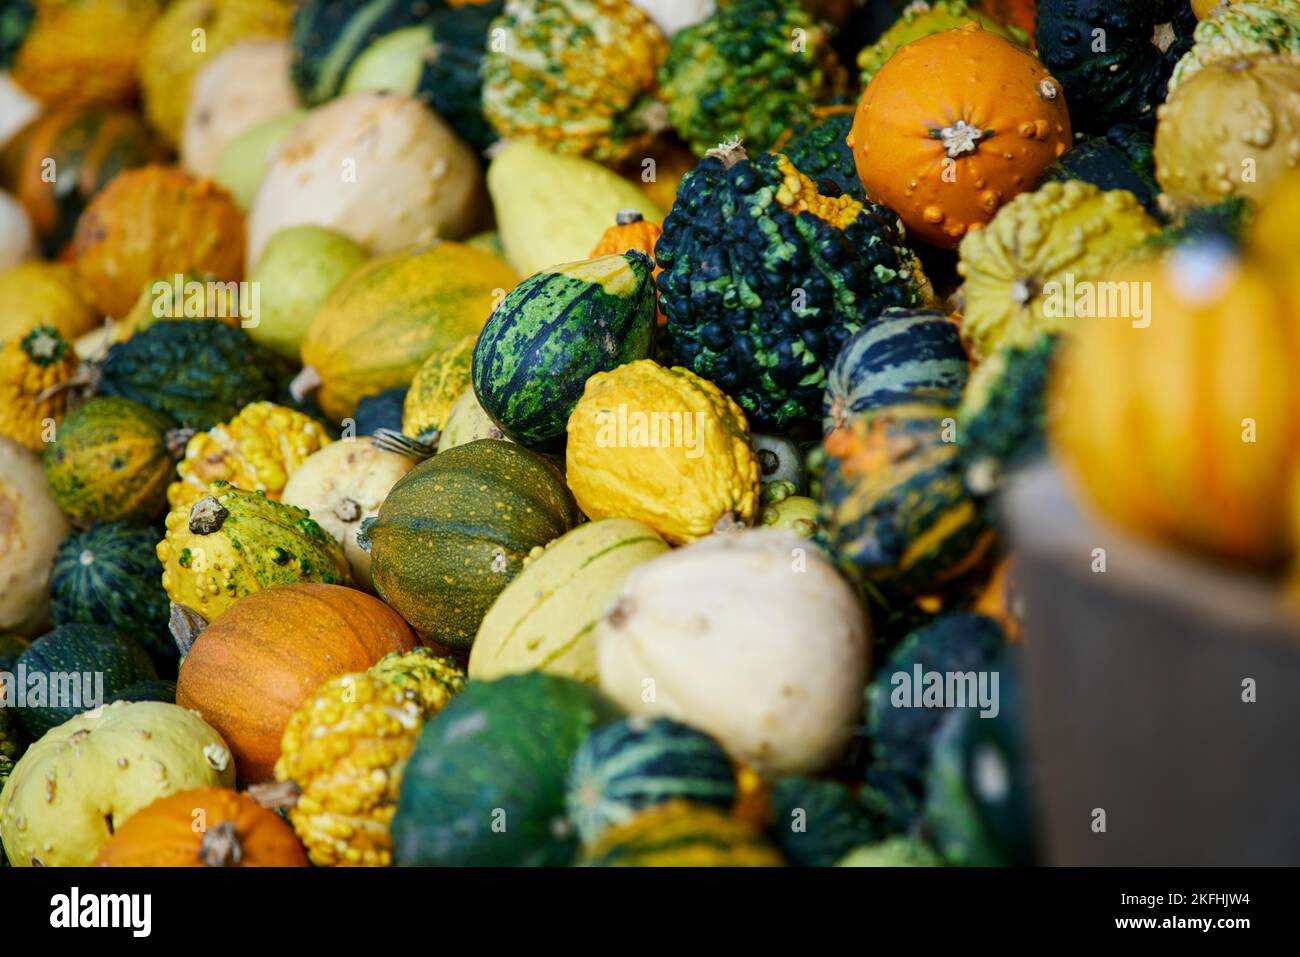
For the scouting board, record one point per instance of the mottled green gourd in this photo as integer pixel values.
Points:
(1242, 29)
(198, 372)
(815, 822)
(110, 575)
(329, 35)
(764, 279)
(552, 333)
(1121, 159)
(820, 153)
(922, 19)
(636, 763)
(738, 73)
(499, 752)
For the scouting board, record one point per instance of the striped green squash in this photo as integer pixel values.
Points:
(110, 575)
(905, 355)
(633, 764)
(682, 834)
(815, 822)
(456, 529)
(74, 657)
(894, 502)
(545, 618)
(329, 35)
(553, 332)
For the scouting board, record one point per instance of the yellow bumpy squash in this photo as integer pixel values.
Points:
(442, 380)
(345, 749)
(256, 450)
(664, 447)
(1030, 270)
(32, 367)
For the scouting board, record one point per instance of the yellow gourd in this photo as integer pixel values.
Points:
(664, 447)
(39, 293)
(440, 382)
(32, 369)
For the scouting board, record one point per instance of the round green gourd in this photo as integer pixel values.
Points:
(485, 783)
(72, 657)
(1122, 159)
(552, 333)
(815, 822)
(110, 575)
(111, 460)
(455, 530)
(636, 763)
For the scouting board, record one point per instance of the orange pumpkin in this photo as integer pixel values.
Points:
(631, 230)
(155, 222)
(954, 126)
(206, 827)
(261, 658)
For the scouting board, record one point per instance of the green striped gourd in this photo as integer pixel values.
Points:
(815, 822)
(544, 619)
(553, 332)
(636, 763)
(905, 355)
(329, 35)
(681, 834)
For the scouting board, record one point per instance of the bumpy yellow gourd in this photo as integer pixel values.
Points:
(345, 750)
(32, 367)
(256, 450)
(440, 382)
(1025, 271)
(664, 447)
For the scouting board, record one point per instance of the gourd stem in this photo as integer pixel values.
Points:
(730, 152)
(220, 846)
(275, 794)
(390, 440)
(207, 516)
(308, 380)
(186, 625)
(177, 440)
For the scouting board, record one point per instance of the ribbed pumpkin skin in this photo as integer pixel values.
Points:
(329, 35)
(196, 372)
(1125, 82)
(88, 146)
(500, 747)
(151, 222)
(87, 650)
(544, 619)
(253, 667)
(257, 544)
(110, 461)
(681, 834)
(110, 575)
(554, 332)
(633, 764)
(455, 530)
(346, 747)
(904, 355)
(379, 325)
(164, 835)
(895, 504)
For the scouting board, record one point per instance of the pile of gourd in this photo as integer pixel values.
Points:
(543, 431)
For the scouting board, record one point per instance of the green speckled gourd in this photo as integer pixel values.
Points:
(232, 542)
(198, 372)
(552, 333)
(1245, 28)
(1002, 421)
(637, 763)
(815, 822)
(485, 783)
(900, 732)
(111, 460)
(1125, 81)
(739, 73)
(456, 529)
(1122, 159)
(442, 379)
(820, 153)
(576, 76)
(110, 575)
(922, 19)
(329, 35)
(905, 355)
(764, 279)
(894, 502)
(75, 659)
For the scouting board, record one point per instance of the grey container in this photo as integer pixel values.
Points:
(1135, 687)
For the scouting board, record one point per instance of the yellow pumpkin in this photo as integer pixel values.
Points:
(1021, 273)
(664, 447)
(33, 368)
(1182, 424)
(440, 382)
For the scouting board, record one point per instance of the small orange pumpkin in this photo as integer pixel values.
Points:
(206, 827)
(262, 657)
(631, 230)
(954, 126)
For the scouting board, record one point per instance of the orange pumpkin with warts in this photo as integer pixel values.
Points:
(954, 126)
(206, 827)
(262, 657)
(631, 230)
